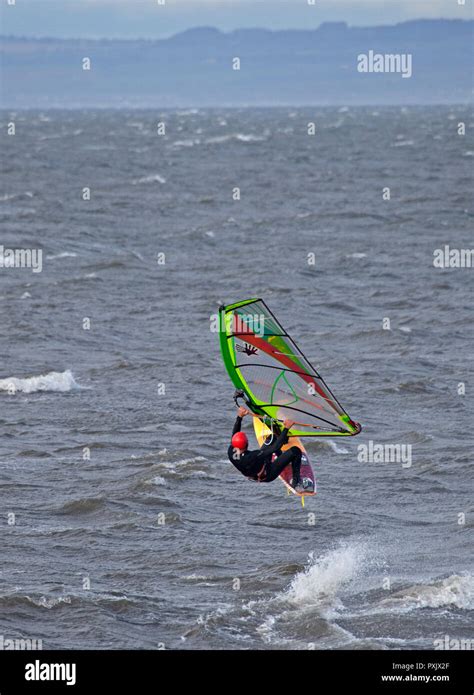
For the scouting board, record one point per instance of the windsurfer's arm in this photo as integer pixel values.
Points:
(280, 440)
(277, 444)
(237, 425)
(242, 412)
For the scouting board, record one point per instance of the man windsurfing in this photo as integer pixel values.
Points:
(259, 464)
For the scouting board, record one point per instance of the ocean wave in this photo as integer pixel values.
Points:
(186, 143)
(22, 600)
(319, 583)
(152, 178)
(14, 196)
(356, 255)
(156, 480)
(172, 465)
(64, 254)
(53, 381)
(332, 445)
(302, 612)
(240, 137)
(87, 505)
(455, 591)
(415, 386)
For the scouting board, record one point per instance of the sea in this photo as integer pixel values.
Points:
(123, 524)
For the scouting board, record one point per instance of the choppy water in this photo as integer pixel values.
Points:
(387, 563)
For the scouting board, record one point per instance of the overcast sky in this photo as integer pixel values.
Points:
(149, 18)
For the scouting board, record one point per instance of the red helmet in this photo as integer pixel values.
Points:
(240, 441)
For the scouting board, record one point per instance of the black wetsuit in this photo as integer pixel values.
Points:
(258, 464)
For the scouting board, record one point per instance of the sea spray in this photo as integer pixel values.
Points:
(53, 381)
(321, 580)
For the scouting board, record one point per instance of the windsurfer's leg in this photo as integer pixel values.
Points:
(290, 456)
(296, 465)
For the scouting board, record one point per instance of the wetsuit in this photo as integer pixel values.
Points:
(258, 464)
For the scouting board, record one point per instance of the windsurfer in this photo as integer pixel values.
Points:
(259, 464)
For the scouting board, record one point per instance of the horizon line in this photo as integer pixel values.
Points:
(430, 20)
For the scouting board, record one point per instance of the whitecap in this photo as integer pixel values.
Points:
(456, 591)
(152, 178)
(64, 254)
(338, 449)
(53, 381)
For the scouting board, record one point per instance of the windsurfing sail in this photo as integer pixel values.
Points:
(277, 379)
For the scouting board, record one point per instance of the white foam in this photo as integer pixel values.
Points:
(220, 611)
(172, 465)
(266, 629)
(12, 196)
(456, 590)
(250, 138)
(317, 589)
(45, 602)
(186, 143)
(64, 254)
(53, 381)
(356, 255)
(152, 178)
(324, 576)
(338, 449)
(240, 137)
(193, 459)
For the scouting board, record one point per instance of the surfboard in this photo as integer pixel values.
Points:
(261, 432)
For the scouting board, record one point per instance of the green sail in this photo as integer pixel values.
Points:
(279, 382)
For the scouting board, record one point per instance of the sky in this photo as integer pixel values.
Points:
(153, 19)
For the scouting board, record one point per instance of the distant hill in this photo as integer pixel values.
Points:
(194, 68)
